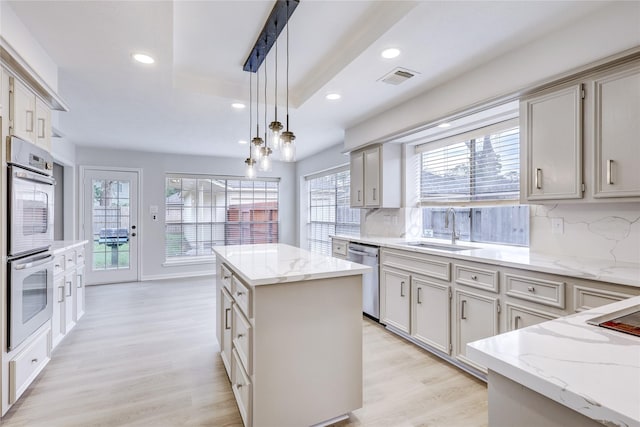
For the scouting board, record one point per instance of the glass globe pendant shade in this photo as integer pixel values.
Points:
(265, 159)
(250, 171)
(288, 148)
(257, 147)
(275, 128)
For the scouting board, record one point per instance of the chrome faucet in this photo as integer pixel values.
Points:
(454, 236)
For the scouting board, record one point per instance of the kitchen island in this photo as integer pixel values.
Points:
(564, 372)
(289, 324)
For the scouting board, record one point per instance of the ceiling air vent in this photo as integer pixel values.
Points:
(397, 76)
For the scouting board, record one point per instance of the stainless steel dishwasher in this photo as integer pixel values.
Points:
(368, 255)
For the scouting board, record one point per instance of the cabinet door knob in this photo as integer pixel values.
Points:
(531, 289)
(517, 321)
(34, 361)
(240, 336)
(474, 277)
(239, 293)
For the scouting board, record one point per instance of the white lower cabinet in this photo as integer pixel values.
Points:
(431, 314)
(26, 366)
(57, 318)
(241, 386)
(519, 316)
(396, 299)
(225, 341)
(476, 318)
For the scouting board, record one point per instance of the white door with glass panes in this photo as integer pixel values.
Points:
(110, 224)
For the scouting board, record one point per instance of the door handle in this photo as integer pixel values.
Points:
(226, 318)
(34, 263)
(29, 119)
(516, 321)
(358, 195)
(419, 300)
(70, 284)
(374, 194)
(402, 289)
(609, 172)
(463, 315)
(60, 293)
(79, 280)
(538, 178)
(41, 132)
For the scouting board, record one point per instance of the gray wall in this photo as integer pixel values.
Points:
(154, 166)
(326, 159)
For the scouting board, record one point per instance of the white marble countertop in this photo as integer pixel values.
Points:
(60, 246)
(592, 370)
(271, 263)
(623, 273)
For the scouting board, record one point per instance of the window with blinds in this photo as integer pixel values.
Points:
(328, 209)
(476, 169)
(204, 211)
(478, 166)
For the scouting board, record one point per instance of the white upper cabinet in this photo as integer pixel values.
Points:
(356, 172)
(376, 177)
(43, 125)
(616, 131)
(22, 111)
(551, 138)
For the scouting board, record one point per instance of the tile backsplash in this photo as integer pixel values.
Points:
(605, 231)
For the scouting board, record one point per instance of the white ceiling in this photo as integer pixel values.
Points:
(181, 104)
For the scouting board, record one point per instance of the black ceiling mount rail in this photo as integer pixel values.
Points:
(277, 20)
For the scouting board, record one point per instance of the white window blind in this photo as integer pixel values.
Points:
(204, 211)
(329, 211)
(478, 166)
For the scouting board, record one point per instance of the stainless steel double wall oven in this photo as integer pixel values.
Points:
(30, 236)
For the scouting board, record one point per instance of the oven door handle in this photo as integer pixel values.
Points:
(33, 263)
(34, 177)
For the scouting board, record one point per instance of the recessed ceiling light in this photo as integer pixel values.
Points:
(444, 125)
(242, 141)
(333, 96)
(238, 105)
(143, 58)
(390, 53)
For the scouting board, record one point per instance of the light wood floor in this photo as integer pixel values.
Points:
(145, 354)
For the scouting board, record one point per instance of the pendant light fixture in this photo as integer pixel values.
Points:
(287, 138)
(265, 152)
(250, 171)
(257, 141)
(275, 126)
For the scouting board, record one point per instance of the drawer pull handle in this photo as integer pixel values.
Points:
(358, 195)
(517, 321)
(34, 361)
(463, 315)
(226, 277)
(474, 277)
(239, 386)
(240, 336)
(226, 318)
(70, 284)
(609, 174)
(240, 293)
(57, 265)
(531, 289)
(419, 294)
(402, 289)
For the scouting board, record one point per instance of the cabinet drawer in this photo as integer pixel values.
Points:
(519, 317)
(225, 276)
(542, 291)
(242, 295)
(242, 390)
(27, 365)
(339, 247)
(585, 298)
(243, 338)
(80, 256)
(476, 277)
(58, 264)
(416, 263)
(69, 259)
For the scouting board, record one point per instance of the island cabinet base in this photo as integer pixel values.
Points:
(512, 404)
(297, 358)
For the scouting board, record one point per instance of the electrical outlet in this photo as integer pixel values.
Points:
(557, 226)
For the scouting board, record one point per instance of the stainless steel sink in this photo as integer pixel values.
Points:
(440, 246)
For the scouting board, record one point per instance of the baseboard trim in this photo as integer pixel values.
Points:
(147, 278)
